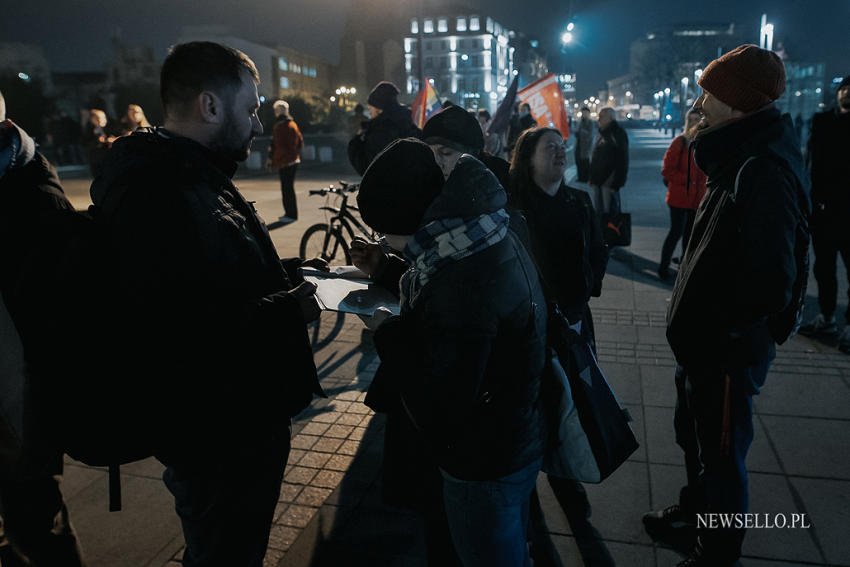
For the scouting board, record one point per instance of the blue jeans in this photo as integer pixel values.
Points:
(716, 451)
(488, 519)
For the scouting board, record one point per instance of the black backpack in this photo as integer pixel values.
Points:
(784, 325)
(86, 395)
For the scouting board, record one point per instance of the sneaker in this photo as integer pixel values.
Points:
(672, 526)
(844, 340)
(820, 326)
(676, 260)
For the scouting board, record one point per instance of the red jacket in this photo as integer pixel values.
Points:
(287, 142)
(675, 172)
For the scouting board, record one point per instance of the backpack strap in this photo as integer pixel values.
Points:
(114, 487)
(738, 176)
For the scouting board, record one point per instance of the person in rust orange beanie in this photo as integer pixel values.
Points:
(738, 83)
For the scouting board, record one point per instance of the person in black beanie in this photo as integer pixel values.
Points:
(463, 360)
(450, 133)
(388, 121)
(454, 132)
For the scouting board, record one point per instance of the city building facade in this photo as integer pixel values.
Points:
(467, 57)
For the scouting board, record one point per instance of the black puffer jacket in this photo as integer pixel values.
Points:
(610, 158)
(391, 124)
(470, 348)
(740, 265)
(207, 294)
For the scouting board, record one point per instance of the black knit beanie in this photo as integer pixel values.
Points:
(384, 95)
(456, 128)
(398, 186)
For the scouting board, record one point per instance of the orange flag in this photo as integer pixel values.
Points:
(547, 103)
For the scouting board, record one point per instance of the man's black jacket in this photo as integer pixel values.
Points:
(610, 157)
(378, 133)
(205, 291)
(827, 159)
(740, 265)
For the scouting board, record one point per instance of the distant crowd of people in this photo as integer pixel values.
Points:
(484, 245)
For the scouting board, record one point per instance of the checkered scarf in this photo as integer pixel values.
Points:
(443, 241)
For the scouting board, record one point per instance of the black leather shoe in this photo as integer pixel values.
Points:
(672, 526)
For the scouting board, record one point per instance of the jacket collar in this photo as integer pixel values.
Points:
(725, 147)
(225, 165)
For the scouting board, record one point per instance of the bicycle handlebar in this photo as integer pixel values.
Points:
(346, 188)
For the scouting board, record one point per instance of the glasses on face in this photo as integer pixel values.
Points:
(555, 147)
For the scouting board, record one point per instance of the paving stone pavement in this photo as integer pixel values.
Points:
(330, 511)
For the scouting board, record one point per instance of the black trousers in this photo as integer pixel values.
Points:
(827, 245)
(227, 508)
(34, 527)
(681, 223)
(582, 169)
(287, 189)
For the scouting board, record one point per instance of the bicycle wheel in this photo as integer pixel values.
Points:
(320, 242)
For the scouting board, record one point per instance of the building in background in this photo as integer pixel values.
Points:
(530, 59)
(370, 49)
(467, 56)
(25, 61)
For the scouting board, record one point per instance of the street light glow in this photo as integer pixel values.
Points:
(570, 26)
(566, 37)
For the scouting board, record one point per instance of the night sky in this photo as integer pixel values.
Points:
(76, 34)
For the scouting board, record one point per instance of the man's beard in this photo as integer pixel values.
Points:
(228, 143)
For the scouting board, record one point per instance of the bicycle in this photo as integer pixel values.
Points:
(326, 240)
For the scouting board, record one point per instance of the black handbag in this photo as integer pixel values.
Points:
(618, 229)
(573, 379)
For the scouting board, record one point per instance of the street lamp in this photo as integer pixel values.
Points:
(567, 37)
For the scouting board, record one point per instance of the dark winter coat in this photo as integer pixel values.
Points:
(207, 293)
(740, 265)
(29, 188)
(391, 124)
(469, 351)
(517, 126)
(568, 247)
(610, 158)
(828, 163)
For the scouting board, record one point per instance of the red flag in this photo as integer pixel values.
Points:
(547, 103)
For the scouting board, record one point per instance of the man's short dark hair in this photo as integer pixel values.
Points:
(192, 68)
(483, 112)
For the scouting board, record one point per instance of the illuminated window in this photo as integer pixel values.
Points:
(442, 25)
(474, 23)
(312, 72)
(281, 64)
(414, 26)
(428, 26)
(461, 24)
(305, 71)
(284, 83)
